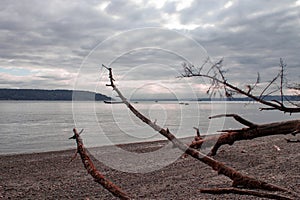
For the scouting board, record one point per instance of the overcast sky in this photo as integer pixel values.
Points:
(61, 44)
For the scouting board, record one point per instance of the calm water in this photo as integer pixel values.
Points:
(37, 126)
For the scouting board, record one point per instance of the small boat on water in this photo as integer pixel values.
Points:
(116, 102)
(112, 102)
(184, 103)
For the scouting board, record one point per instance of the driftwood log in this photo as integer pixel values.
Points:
(239, 180)
(250, 132)
(91, 169)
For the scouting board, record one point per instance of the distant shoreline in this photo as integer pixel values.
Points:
(50, 95)
(78, 95)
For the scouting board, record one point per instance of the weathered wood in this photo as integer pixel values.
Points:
(191, 71)
(239, 180)
(196, 139)
(237, 118)
(254, 131)
(91, 169)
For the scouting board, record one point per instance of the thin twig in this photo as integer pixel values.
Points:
(270, 83)
(237, 118)
(226, 85)
(282, 66)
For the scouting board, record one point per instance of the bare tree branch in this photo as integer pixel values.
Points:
(91, 169)
(237, 118)
(239, 180)
(251, 132)
(282, 67)
(218, 78)
(267, 87)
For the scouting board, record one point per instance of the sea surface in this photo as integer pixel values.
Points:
(41, 126)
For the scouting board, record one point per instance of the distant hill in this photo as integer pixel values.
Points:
(50, 95)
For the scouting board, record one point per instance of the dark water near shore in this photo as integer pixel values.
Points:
(39, 126)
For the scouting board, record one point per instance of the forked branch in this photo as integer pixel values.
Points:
(217, 77)
(239, 179)
(248, 133)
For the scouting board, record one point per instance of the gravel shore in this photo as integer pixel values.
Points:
(50, 175)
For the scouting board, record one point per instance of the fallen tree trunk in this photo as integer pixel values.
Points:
(91, 169)
(239, 179)
(251, 132)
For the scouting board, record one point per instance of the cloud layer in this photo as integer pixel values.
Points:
(44, 43)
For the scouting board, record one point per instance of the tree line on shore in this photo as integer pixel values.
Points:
(50, 95)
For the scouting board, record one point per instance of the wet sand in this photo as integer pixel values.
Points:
(50, 175)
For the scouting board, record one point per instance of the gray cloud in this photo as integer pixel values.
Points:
(253, 35)
(51, 39)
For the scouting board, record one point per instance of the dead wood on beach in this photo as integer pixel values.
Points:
(250, 132)
(91, 169)
(239, 179)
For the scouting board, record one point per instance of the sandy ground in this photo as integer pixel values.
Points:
(50, 176)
